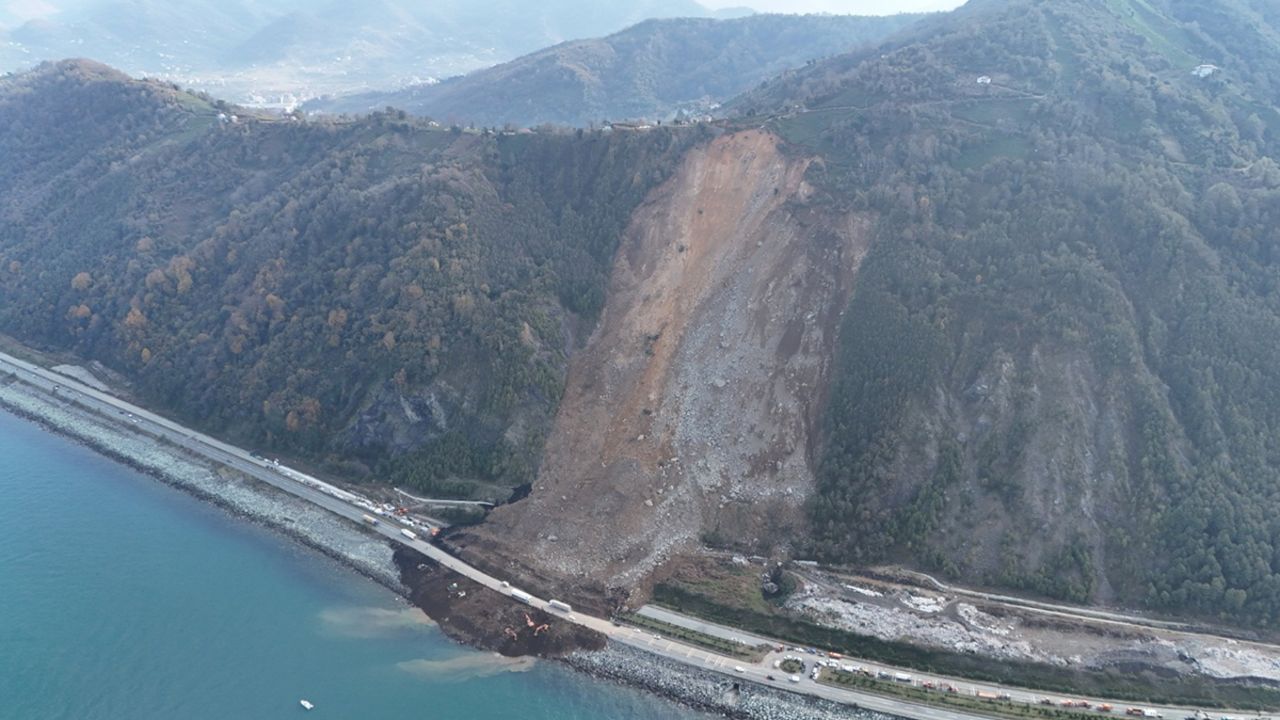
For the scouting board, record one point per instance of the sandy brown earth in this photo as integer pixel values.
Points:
(477, 616)
(693, 407)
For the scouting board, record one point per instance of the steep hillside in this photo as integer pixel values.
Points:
(999, 299)
(380, 296)
(693, 408)
(1057, 370)
(651, 70)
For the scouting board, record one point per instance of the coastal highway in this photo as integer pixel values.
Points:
(340, 503)
(965, 687)
(723, 632)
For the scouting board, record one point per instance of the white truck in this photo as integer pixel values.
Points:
(522, 596)
(408, 533)
(561, 606)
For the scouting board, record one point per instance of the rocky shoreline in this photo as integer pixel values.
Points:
(707, 691)
(233, 491)
(378, 561)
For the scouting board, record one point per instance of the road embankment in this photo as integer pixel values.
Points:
(231, 490)
(477, 616)
(709, 691)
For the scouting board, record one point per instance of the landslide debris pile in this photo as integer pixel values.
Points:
(693, 406)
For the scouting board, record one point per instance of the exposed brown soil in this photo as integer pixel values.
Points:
(693, 406)
(477, 616)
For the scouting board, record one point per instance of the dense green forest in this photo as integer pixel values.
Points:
(651, 70)
(380, 295)
(1058, 372)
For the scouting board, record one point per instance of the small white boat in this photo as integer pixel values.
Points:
(306, 704)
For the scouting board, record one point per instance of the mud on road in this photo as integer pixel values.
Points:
(477, 616)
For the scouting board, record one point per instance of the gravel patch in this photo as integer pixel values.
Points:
(84, 375)
(985, 634)
(950, 623)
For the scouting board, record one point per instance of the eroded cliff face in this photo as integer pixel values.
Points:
(693, 408)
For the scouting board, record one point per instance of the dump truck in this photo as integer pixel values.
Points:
(369, 519)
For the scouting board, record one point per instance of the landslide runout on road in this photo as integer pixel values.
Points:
(694, 404)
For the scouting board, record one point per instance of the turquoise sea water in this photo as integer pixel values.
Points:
(122, 598)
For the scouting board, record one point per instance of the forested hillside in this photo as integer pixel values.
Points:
(379, 295)
(652, 70)
(1058, 369)
(1048, 235)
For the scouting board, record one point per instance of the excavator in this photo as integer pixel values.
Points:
(537, 629)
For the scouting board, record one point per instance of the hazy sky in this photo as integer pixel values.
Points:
(26, 9)
(20, 10)
(855, 7)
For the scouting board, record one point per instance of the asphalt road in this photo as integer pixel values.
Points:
(339, 502)
(965, 687)
(723, 632)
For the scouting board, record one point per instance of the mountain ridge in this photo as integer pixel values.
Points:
(654, 69)
(257, 52)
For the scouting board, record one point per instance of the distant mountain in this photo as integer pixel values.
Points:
(652, 70)
(247, 50)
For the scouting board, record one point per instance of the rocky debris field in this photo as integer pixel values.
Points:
(477, 616)
(939, 620)
(692, 409)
